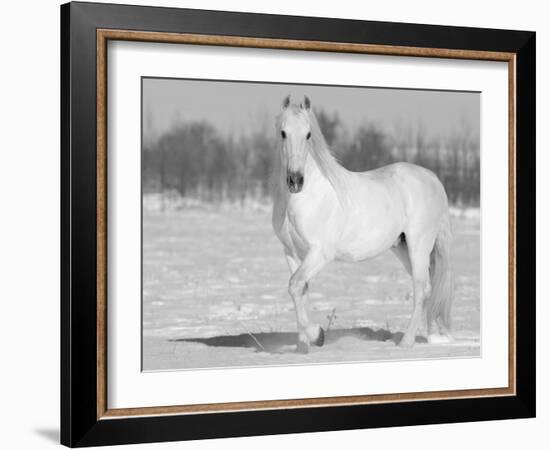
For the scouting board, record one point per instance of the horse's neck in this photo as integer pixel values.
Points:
(312, 170)
(315, 183)
(334, 176)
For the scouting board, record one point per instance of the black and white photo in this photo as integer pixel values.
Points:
(288, 224)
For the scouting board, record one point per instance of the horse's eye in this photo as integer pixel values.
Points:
(283, 134)
(308, 135)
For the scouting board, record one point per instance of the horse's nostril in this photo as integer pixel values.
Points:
(295, 181)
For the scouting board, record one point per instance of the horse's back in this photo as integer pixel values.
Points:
(411, 180)
(405, 171)
(414, 177)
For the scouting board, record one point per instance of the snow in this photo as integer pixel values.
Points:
(215, 284)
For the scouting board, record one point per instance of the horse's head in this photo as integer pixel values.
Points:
(295, 137)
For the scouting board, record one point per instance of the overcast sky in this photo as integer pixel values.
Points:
(234, 107)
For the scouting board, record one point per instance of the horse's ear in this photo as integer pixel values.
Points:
(307, 102)
(286, 102)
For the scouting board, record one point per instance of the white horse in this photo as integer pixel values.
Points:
(323, 212)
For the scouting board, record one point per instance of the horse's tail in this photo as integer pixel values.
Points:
(439, 304)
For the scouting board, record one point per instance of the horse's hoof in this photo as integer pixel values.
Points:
(320, 338)
(302, 347)
(406, 343)
(440, 339)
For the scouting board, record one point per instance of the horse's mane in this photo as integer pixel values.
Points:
(326, 161)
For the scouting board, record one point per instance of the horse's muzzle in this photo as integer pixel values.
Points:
(294, 181)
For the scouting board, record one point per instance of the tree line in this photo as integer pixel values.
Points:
(196, 160)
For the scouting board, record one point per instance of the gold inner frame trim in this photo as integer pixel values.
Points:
(104, 35)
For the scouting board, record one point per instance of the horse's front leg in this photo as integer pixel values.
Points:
(308, 332)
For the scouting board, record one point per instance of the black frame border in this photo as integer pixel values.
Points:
(79, 423)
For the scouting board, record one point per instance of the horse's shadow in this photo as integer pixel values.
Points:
(277, 342)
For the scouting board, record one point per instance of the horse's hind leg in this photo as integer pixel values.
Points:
(433, 326)
(308, 332)
(438, 333)
(401, 251)
(419, 254)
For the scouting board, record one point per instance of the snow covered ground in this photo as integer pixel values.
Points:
(215, 295)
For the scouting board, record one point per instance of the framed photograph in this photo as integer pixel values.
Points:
(277, 224)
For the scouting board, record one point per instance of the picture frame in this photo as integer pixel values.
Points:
(86, 418)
